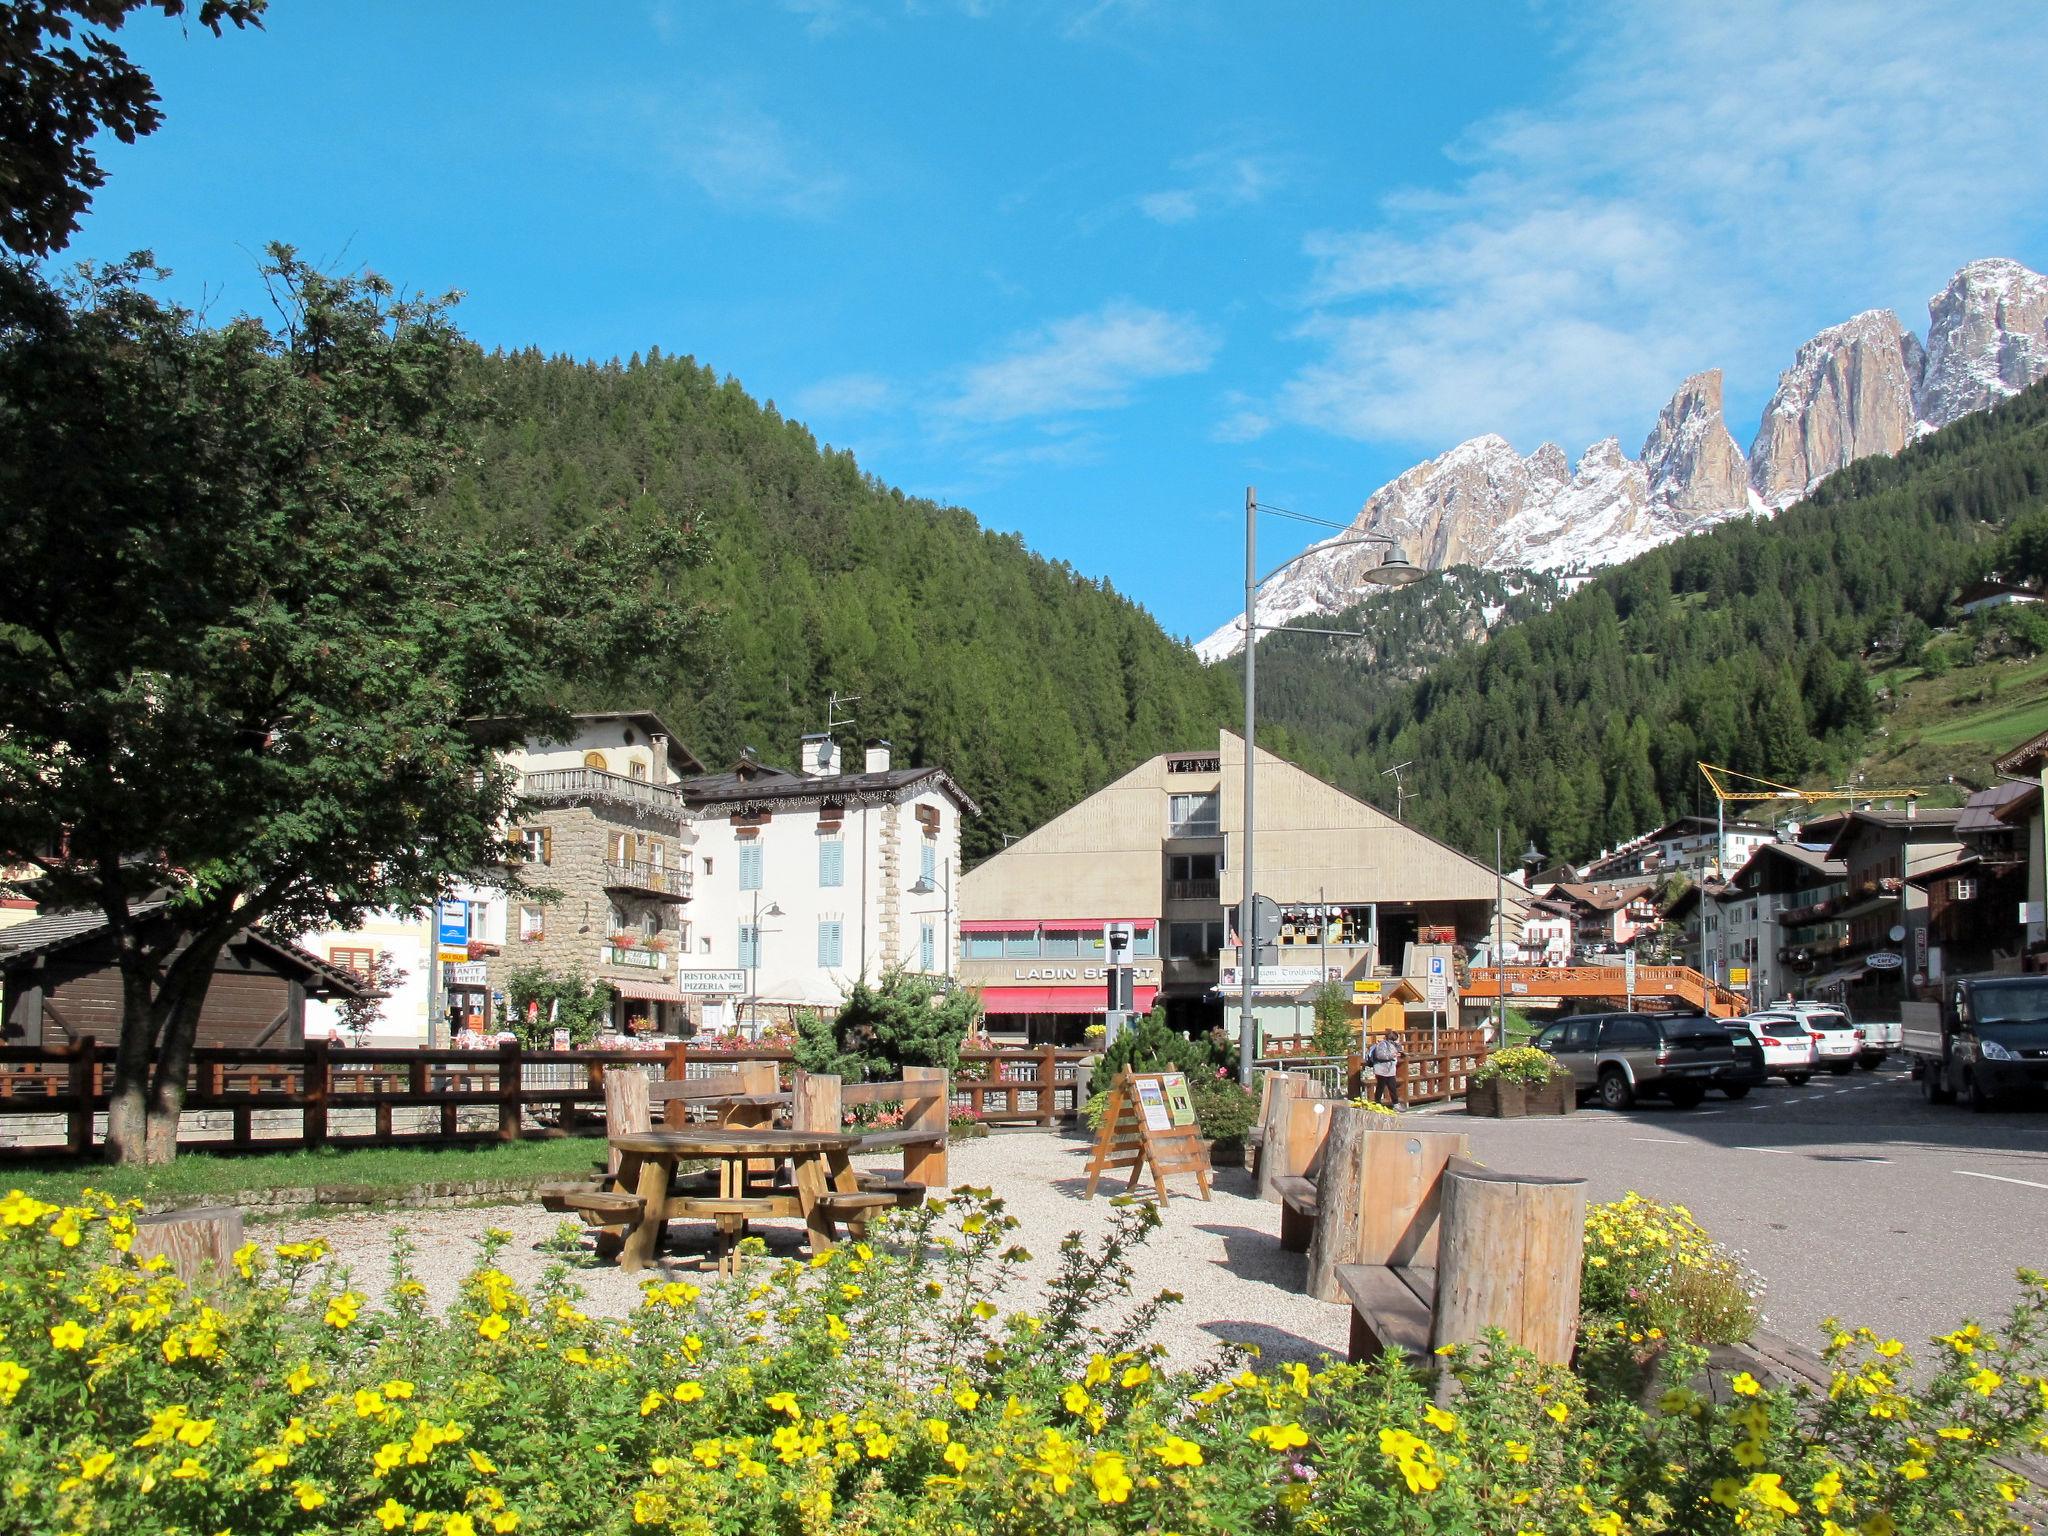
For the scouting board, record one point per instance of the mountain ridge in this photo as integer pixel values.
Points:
(1864, 386)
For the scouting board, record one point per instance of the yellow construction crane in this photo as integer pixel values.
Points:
(1728, 787)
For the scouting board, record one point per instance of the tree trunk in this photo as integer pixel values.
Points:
(128, 1093)
(179, 1002)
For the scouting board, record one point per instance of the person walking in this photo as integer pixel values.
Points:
(1385, 1060)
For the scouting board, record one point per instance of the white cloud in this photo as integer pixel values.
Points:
(743, 158)
(1213, 180)
(1711, 179)
(1083, 363)
(846, 394)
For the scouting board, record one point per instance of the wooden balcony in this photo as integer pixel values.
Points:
(641, 878)
(562, 786)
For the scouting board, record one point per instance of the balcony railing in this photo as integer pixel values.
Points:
(648, 880)
(1193, 890)
(565, 784)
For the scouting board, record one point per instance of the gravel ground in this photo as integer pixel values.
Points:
(1223, 1256)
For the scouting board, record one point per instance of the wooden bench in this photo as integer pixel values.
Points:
(1298, 1207)
(1291, 1130)
(820, 1101)
(728, 1216)
(1377, 1181)
(1508, 1253)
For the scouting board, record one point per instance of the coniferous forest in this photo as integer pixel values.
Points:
(1576, 723)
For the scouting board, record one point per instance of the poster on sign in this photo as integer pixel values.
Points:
(1178, 1102)
(1152, 1102)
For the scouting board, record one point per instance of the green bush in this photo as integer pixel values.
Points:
(1224, 1109)
(883, 1388)
(1336, 1031)
(1150, 1045)
(904, 1020)
(1519, 1064)
(567, 1000)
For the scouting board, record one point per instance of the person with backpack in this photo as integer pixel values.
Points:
(1384, 1058)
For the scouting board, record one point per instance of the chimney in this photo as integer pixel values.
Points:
(820, 756)
(660, 744)
(878, 755)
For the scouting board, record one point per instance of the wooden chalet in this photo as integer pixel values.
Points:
(59, 982)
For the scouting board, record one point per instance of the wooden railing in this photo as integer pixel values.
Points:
(596, 784)
(1433, 1066)
(422, 1096)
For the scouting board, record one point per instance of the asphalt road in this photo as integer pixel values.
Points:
(1850, 1196)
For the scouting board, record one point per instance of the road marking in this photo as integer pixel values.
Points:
(2000, 1178)
(1662, 1141)
(1774, 1151)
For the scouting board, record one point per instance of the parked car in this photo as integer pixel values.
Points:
(1621, 1057)
(1986, 1039)
(1873, 1041)
(1839, 1041)
(1748, 1070)
(1789, 1047)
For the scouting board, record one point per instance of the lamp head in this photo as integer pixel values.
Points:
(1531, 855)
(924, 886)
(772, 910)
(1395, 570)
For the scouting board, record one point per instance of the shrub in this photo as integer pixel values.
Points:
(1519, 1064)
(1336, 1032)
(881, 1388)
(1150, 1045)
(904, 1020)
(539, 1001)
(1224, 1110)
(1652, 1278)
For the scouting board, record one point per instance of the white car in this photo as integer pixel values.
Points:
(1790, 1049)
(1840, 1041)
(1829, 1021)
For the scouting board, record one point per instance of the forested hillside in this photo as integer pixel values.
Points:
(1744, 646)
(1034, 684)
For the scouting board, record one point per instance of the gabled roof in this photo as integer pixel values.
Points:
(1940, 821)
(1984, 810)
(2024, 758)
(761, 784)
(53, 932)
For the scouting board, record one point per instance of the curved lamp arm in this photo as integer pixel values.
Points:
(1317, 549)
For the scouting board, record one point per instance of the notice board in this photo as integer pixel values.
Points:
(1149, 1123)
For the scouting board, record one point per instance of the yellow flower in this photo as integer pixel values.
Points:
(1420, 1476)
(195, 1432)
(390, 1514)
(1075, 1397)
(967, 1398)
(1136, 1375)
(1768, 1489)
(783, 1402)
(956, 1456)
(1176, 1452)
(308, 1496)
(1888, 1348)
(504, 1520)
(1298, 1374)
(459, 1525)
(1439, 1420)
(1985, 1382)
(1282, 1437)
(1749, 1453)
(1518, 1451)
(1912, 1471)
(189, 1470)
(301, 1380)
(398, 1389)
(95, 1464)
(67, 1335)
(1112, 1481)
(493, 1327)
(1745, 1384)
(1098, 1372)
(12, 1379)
(343, 1309)
(1558, 1412)
(483, 1463)
(688, 1391)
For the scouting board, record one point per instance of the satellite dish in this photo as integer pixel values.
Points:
(1898, 933)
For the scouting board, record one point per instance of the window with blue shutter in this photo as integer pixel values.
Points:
(928, 866)
(750, 866)
(828, 941)
(927, 944)
(831, 861)
(750, 946)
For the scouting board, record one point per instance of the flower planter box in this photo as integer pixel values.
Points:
(1501, 1099)
(1497, 1099)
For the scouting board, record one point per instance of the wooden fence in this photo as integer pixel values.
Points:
(1434, 1065)
(345, 1096)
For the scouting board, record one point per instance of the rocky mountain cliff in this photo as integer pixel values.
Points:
(1865, 386)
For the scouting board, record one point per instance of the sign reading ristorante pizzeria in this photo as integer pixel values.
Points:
(1078, 973)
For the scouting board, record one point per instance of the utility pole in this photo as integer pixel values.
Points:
(1500, 959)
(1247, 948)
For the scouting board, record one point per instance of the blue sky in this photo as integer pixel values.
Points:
(1089, 267)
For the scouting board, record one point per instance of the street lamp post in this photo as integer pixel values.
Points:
(754, 964)
(1392, 571)
(924, 887)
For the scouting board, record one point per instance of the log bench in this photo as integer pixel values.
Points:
(1507, 1257)
(1298, 1207)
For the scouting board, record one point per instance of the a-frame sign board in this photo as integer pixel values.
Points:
(1149, 1122)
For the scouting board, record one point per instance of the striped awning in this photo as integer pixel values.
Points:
(1057, 999)
(646, 991)
(1033, 924)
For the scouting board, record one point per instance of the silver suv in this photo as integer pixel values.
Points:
(1621, 1057)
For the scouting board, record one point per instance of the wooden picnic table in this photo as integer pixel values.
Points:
(822, 1189)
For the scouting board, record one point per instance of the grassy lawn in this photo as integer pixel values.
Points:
(395, 1170)
(1999, 725)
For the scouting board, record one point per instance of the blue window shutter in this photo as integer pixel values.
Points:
(925, 944)
(928, 866)
(750, 866)
(828, 942)
(750, 947)
(831, 861)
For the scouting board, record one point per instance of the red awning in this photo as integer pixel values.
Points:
(1056, 999)
(1033, 924)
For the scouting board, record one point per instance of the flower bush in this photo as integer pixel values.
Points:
(879, 1388)
(1519, 1064)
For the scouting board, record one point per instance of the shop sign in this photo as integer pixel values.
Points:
(1274, 976)
(467, 973)
(1883, 960)
(1079, 973)
(643, 959)
(711, 983)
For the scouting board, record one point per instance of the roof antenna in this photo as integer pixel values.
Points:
(832, 707)
(1400, 789)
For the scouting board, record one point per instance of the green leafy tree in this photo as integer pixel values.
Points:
(1152, 1045)
(903, 1020)
(539, 1001)
(244, 669)
(64, 81)
(1335, 1032)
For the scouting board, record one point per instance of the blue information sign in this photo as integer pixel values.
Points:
(454, 924)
